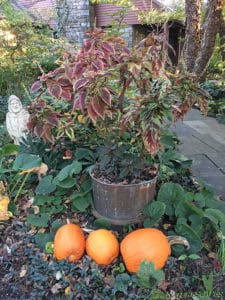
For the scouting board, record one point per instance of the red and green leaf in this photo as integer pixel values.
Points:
(98, 106)
(36, 86)
(106, 96)
(92, 114)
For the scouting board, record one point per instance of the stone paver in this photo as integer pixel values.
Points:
(203, 140)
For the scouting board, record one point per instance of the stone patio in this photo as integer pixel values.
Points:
(203, 140)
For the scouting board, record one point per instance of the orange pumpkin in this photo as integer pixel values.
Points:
(148, 244)
(69, 242)
(102, 246)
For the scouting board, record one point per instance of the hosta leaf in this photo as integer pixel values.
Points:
(40, 220)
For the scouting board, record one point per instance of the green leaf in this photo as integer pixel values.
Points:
(148, 276)
(214, 215)
(81, 201)
(45, 186)
(40, 220)
(156, 294)
(154, 211)
(192, 237)
(171, 193)
(182, 257)
(194, 256)
(41, 239)
(26, 161)
(122, 282)
(64, 173)
(67, 183)
(9, 149)
(200, 200)
(102, 223)
(77, 167)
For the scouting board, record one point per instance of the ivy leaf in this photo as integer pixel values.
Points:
(122, 282)
(40, 220)
(45, 186)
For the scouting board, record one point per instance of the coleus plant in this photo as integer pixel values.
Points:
(117, 89)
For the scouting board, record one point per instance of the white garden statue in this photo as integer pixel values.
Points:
(16, 119)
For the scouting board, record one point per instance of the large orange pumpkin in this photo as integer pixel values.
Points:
(148, 244)
(102, 246)
(69, 242)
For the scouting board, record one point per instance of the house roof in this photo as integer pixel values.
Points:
(103, 12)
(38, 10)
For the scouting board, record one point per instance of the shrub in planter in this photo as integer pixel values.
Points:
(128, 97)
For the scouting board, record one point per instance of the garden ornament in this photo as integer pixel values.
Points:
(16, 119)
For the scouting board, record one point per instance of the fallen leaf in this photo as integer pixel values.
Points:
(67, 290)
(4, 213)
(55, 289)
(212, 255)
(23, 271)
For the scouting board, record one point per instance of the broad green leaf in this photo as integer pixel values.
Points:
(41, 239)
(200, 200)
(82, 153)
(64, 173)
(171, 193)
(9, 149)
(45, 186)
(40, 220)
(77, 167)
(148, 276)
(102, 223)
(192, 237)
(67, 183)
(154, 211)
(214, 215)
(26, 161)
(81, 201)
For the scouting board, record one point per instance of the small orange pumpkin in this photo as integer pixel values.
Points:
(69, 242)
(102, 246)
(148, 244)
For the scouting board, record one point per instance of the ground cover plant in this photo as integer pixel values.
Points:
(67, 141)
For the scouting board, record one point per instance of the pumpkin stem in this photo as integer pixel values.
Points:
(175, 239)
(68, 221)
